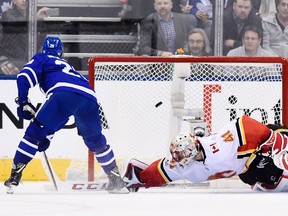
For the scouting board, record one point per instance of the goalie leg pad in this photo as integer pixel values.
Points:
(279, 128)
(280, 143)
(281, 160)
(275, 144)
(132, 175)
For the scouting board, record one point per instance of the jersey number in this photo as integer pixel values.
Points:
(68, 69)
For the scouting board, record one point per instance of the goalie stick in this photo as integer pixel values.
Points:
(100, 186)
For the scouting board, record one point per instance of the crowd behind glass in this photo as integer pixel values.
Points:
(249, 28)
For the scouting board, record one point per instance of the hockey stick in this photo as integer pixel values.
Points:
(50, 171)
(60, 185)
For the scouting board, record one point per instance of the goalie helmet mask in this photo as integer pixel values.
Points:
(184, 148)
(52, 46)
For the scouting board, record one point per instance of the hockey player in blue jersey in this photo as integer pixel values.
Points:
(68, 93)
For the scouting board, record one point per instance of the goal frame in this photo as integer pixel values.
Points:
(187, 59)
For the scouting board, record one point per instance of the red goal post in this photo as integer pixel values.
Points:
(128, 88)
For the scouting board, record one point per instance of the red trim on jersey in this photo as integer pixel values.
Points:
(154, 176)
(224, 174)
(252, 134)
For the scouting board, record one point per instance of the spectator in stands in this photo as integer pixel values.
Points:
(251, 44)
(15, 32)
(275, 30)
(134, 11)
(236, 18)
(197, 43)
(164, 31)
(202, 10)
(255, 4)
(263, 7)
(267, 7)
(140, 9)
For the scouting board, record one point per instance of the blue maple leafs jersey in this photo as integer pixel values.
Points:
(53, 74)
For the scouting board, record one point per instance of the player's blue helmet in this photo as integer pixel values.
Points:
(52, 46)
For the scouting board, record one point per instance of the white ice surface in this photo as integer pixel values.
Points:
(32, 199)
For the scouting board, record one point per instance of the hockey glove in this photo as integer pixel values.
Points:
(25, 110)
(44, 144)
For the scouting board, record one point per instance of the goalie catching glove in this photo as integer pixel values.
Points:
(25, 109)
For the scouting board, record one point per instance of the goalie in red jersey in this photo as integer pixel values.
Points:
(257, 153)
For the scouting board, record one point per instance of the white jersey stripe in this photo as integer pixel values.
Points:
(108, 162)
(81, 88)
(33, 73)
(25, 153)
(104, 153)
(27, 77)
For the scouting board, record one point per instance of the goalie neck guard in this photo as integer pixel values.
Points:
(52, 46)
(184, 148)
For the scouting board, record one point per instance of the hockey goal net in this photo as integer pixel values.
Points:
(135, 96)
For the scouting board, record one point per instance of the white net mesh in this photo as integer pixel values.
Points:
(128, 90)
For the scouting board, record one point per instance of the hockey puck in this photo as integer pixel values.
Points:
(158, 104)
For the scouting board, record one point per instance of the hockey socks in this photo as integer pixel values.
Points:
(26, 151)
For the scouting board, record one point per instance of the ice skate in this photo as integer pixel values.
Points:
(15, 177)
(116, 183)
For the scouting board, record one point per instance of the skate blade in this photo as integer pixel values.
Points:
(10, 190)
